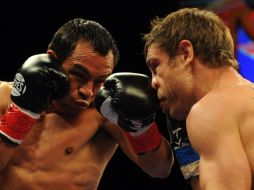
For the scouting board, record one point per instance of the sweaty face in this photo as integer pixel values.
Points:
(86, 70)
(171, 80)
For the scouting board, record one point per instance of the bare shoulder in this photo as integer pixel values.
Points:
(231, 100)
(5, 91)
(6, 84)
(219, 112)
(92, 113)
(98, 125)
(227, 100)
(111, 130)
(224, 100)
(215, 112)
(213, 104)
(89, 115)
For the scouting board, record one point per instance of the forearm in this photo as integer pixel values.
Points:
(153, 151)
(157, 163)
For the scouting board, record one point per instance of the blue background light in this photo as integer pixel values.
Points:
(245, 55)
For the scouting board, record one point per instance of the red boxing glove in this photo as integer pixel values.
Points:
(15, 124)
(146, 141)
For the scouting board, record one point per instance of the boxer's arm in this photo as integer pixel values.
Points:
(36, 84)
(157, 163)
(215, 136)
(6, 150)
(38, 81)
(128, 100)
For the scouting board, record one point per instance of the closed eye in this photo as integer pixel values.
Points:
(82, 77)
(153, 65)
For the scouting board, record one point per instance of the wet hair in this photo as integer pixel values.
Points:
(69, 34)
(210, 37)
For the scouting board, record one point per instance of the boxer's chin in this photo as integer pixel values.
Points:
(164, 107)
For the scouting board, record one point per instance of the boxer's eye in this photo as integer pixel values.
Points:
(80, 76)
(152, 66)
(77, 73)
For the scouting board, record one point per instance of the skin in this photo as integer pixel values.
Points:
(72, 143)
(219, 106)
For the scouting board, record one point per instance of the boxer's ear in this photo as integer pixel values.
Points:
(186, 51)
(52, 53)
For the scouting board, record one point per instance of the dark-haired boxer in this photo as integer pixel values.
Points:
(52, 136)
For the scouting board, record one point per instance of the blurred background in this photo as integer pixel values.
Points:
(27, 28)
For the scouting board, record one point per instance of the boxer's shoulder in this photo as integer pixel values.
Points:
(5, 91)
(5, 85)
(91, 115)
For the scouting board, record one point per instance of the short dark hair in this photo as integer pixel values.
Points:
(68, 35)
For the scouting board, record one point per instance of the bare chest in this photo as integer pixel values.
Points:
(56, 151)
(54, 140)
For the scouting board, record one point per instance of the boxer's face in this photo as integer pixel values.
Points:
(171, 80)
(86, 70)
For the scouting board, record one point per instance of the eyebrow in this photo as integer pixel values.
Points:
(85, 71)
(148, 62)
(80, 68)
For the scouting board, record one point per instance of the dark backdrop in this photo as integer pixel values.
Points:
(26, 29)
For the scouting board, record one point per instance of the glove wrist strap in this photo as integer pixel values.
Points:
(15, 125)
(146, 142)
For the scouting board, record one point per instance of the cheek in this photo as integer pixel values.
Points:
(73, 83)
(74, 87)
(96, 88)
(166, 80)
